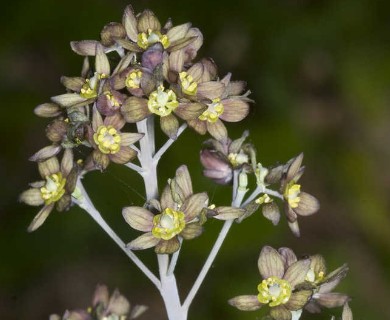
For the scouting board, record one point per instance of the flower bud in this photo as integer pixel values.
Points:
(216, 167)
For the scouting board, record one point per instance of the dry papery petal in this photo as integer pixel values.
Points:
(270, 263)
(228, 213)
(135, 109)
(170, 126)
(145, 241)
(308, 204)
(138, 218)
(296, 273)
(137, 310)
(298, 299)
(347, 312)
(68, 99)
(167, 246)
(46, 152)
(217, 130)
(193, 205)
(294, 167)
(101, 295)
(288, 255)
(331, 299)
(271, 212)
(112, 31)
(129, 21)
(280, 313)
(245, 302)
(183, 180)
(118, 304)
(40, 218)
(48, 110)
(48, 167)
(32, 197)
(191, 231)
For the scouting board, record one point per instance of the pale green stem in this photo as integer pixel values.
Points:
(168, 288)
(261, 189)
(84, 202)
(238, 195)
(174, 258)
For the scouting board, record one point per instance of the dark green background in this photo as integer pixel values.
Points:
(320, 74)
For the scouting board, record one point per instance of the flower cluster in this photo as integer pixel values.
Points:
(138, 69)
(290, 285)
(221, 158)
(104, 307)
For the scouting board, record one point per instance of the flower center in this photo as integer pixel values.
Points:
(133, 79)
(188, 85)
(237, 159)
(292, 195)
(168, 224)
(112, 100)
(107, 139)
(214, 110)
(274, 291)
(90, 86)
(146, 39)
(54, 189)
(162, 102)
(314, 277)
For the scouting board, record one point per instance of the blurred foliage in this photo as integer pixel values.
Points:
(320, 74)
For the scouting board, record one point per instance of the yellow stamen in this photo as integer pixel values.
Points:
(187, 83)
(54, 188)
(162, 102)
(168, 224)
(107, 139)
(146, 39)
(214, 110)
(133, 79)
(274, 291)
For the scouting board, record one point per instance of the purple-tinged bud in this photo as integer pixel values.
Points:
(153, 56)
(216, 167)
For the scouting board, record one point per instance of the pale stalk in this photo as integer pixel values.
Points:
(84, 202)
(237, 194)
(168, 288)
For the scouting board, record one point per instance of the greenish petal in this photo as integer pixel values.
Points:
(270, 263)
(245, 303)
(40, 218)
(167, 246)
(138, 218)
(145, 241)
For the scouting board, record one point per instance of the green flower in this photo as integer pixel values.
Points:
(280, 288)
(179, 215)
(55, 190)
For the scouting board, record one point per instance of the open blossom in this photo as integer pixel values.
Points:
(323, 284)
(280, 288)
(297, 202)
(54, 191)
(104, 307)
(85, 90)
(109, 143)
(228, 103)
(179, 214)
